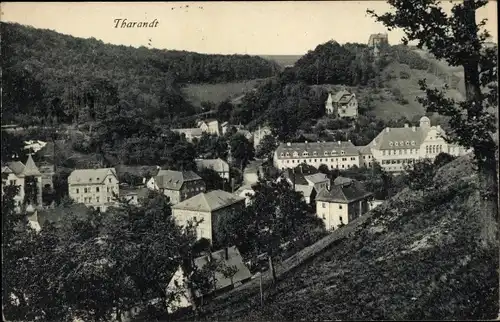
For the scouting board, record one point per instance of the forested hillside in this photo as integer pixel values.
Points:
(47, 75)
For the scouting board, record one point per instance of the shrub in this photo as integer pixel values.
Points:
(404, 74)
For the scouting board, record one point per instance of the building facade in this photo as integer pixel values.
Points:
(335, 155)
(342, 203)
(16, 174)
(98, 188)
(210, 126)
(207, 208)
(218, 165)
(394, 148)
(177, 185)
(342, 104)
(189, 133)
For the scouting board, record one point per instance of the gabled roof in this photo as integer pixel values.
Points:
(345, 193)
(90, 176)
(364, 149)
(173, 180)
(234, 259)
(299, 177)
(306, 190)
(319, 147)
(343, 97)
(218, 165)
(411, 137)
(316, 178)
(16, 167)
(209, 201)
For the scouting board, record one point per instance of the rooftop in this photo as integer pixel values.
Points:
(218, 165)
(173, 180)
(331, 148)
(89, 176)
(344, 193)
(209, 201)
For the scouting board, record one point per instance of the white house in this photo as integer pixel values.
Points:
(96, 188)
(230, 257)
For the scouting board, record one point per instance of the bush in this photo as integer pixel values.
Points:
(420, 175)
(404, 74)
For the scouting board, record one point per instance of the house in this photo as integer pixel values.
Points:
(335, 155)
(253, 171)
(365, 156)
(259, 134)
(210, 126)
(16, 173)
(344, 104)
(341, 204)
(246, 192)
(229, 257)
(218, 165)
(189, 133)
(207, 206)
(96, 188)
(309, 184)
(393, 148)
(224, 127)
(177, 185)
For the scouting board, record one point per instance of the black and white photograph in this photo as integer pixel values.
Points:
(250, 161)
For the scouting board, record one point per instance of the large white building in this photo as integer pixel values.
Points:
(96, 188)
(335, 155)
(393, 148)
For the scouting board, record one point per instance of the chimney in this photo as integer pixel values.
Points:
(413, 128)
(305, 142)
(288, 144)
(338, 142)
(226, 253)
(387, 129)
(406, 125)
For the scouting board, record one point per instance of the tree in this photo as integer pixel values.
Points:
(31, 190)
(266, 147)
(242, 150)
(459, 39)
(420, 175)
(442, 159)
(212, 179)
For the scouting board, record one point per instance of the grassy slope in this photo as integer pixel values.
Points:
(197, 93)
(414, 258)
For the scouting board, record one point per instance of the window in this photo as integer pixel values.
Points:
(326, 153)
(407, 143)
(97, 199)
(334, 152)
(401, 143)
(109, 199)
(314, 153)
(353, 158)
(390, 143)
(77, 190)
(340, 206)
(324, 217)
(281, 154)
(194, 218)
(109, 180)
(342, 152)
(324, 205)
(344, 159)
(85, 190)
(90, 179)
(400, 152)
(320, 160)
(96, 189)
(340, 218)
(396, 143)
(383, 152)
(412, 142)
(295, 154)
(287, 154)
(315, 160)
(364, 157)
(342, 166)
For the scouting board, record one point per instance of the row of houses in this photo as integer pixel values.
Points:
(214, 127)
(393, 148)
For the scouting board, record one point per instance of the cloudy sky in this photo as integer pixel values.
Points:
(266, 28)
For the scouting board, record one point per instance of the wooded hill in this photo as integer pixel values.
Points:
(49, 75)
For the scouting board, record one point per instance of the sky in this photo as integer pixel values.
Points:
(258, 28)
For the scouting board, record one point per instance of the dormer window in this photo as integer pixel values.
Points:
(407, 143)
(282, 154)
(334, 152)
(412, 142)
(396, 143)
(401, 143)
(326, 153)
(287, 154)
(342, 152)
(314, 153)
(295, 154)
(390, 143)
(90, 179)
(305, 154)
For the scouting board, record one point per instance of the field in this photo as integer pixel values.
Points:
(216, 93)
(415, 257)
